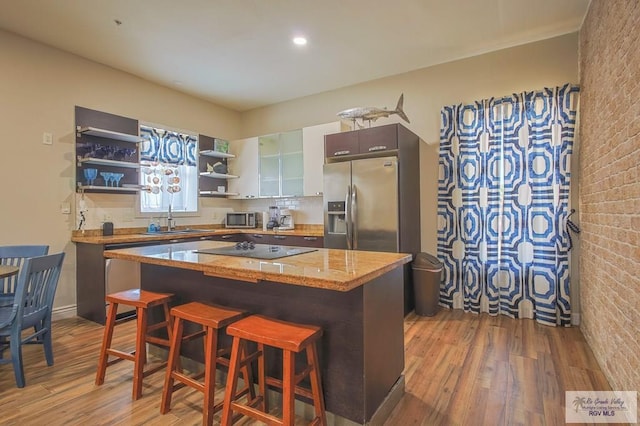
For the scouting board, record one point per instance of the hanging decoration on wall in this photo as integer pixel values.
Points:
(571, 227)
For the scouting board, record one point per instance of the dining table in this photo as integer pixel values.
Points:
(8, 270)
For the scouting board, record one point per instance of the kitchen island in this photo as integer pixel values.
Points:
(95, 277)
(355, 296)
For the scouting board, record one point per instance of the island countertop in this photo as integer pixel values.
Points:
(331, 269)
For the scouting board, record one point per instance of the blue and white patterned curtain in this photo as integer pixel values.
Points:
(503, 202)
(169, 172)
(167, 146)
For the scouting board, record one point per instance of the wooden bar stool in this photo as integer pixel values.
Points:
(292, 339)
(142, 300)
(212, 318)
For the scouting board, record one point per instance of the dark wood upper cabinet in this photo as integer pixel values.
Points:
(341, 144)
(376, 139)
(362, 142)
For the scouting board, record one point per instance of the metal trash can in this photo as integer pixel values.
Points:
(427, 274)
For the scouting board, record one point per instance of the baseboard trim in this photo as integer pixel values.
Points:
(575, 318)
(63, 312)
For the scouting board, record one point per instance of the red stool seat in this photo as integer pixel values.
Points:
(291, 338)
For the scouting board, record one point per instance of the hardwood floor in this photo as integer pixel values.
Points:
(461, 369)
(465, 369)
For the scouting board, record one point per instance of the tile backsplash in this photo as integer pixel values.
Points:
(122, 211)
(307, 210)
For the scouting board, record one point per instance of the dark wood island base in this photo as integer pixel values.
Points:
(362, 348)
(357, 297)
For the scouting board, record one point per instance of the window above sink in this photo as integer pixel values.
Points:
(168, 171)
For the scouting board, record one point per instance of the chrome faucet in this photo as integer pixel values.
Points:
(170, 221)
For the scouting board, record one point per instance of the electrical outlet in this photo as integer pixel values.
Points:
(127, 217)
(65, 208)
(47, 138)
(106, 218)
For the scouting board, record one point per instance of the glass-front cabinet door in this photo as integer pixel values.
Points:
(269, 161)
(291, 163)
(281, 164)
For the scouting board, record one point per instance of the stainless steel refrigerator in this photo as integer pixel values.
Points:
(361, 205)
(371, 193)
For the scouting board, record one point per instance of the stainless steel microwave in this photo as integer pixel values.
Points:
(241, 220)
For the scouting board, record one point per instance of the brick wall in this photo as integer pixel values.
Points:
(610, 188)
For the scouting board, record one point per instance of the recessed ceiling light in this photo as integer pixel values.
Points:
(300, 41)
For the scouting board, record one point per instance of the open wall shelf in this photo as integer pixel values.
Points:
(109, 134)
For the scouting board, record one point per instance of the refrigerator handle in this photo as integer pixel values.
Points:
(354, 216)
(347, 215)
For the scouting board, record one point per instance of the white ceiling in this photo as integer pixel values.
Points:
(239, 54)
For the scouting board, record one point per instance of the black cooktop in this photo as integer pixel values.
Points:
(257, 251)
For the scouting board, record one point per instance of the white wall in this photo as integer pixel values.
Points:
(39, 89)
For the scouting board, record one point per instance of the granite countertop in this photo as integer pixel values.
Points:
(340, 270)
(132, 235)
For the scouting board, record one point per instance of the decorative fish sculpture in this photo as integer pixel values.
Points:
(373, 113)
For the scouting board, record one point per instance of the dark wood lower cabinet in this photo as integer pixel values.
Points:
(228, 237)
(295, 240)
(285, 240)
(90, 282)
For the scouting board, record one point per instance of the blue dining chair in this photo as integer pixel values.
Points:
(15, 256)
(31, 309)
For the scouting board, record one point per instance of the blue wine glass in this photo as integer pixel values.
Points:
(106, 176)
(90, 175)
(116, 178)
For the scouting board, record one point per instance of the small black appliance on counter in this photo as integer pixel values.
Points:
(107, 228)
